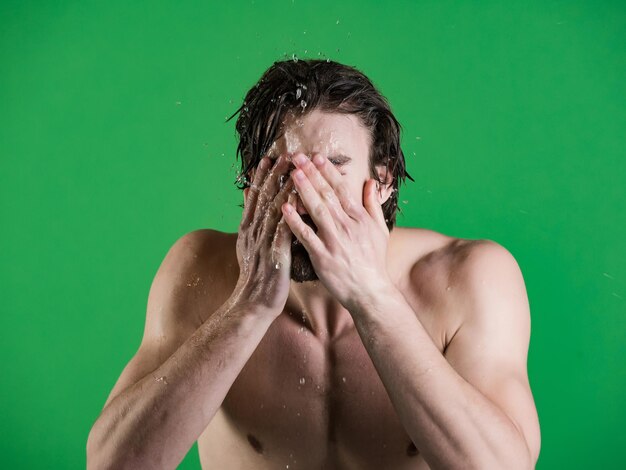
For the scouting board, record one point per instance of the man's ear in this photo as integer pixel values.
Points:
(385, 189)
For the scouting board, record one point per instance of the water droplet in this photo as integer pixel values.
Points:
(303, 104)
(277, 266)
(343, 378)
(302, 380)
(298, 93)
(161, 379)
(337, 21)
(448, 288)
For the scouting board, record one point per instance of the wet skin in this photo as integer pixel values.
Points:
(310, 395)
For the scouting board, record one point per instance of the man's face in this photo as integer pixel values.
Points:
(345, 142)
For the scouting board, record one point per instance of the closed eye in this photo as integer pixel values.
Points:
(338, 165)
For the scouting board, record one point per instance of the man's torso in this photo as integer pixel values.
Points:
(309, 397)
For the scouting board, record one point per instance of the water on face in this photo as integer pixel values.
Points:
(295, 139)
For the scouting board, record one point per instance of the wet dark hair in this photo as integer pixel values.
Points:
(302, 85)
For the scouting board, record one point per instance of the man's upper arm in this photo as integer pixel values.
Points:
(490, 348)
(169, 320)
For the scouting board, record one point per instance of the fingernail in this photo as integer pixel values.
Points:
(318, 159)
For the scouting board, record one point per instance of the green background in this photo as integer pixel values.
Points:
(113, 144)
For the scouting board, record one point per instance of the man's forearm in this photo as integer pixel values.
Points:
(154, 423)
(450, 421)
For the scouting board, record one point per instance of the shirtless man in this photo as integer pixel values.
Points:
(320, 336)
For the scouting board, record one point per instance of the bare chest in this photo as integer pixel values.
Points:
(302, 399)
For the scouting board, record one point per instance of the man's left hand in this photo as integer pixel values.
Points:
(349, 249)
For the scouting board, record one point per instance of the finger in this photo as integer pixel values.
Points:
(271, 185)
(371, 203)
(305, 234)
(351, 207)
(273, 212)
(281, 244)
(254, 190)
(323, 188)
(314, 204)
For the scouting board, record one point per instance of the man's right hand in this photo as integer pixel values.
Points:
(264, 239)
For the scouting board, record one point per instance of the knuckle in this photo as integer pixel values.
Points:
(319, 211)
(307, 233)
(328, 194)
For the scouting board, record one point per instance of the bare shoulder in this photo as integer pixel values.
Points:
(451, 274)
(430, 256)
(197, 267)
(472, 284)
(450, 259)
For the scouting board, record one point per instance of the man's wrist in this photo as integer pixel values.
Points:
(377, 298)
(244, 307)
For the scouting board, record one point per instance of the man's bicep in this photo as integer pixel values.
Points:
(490, 348)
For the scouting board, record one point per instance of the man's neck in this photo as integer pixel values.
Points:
(314, 306)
